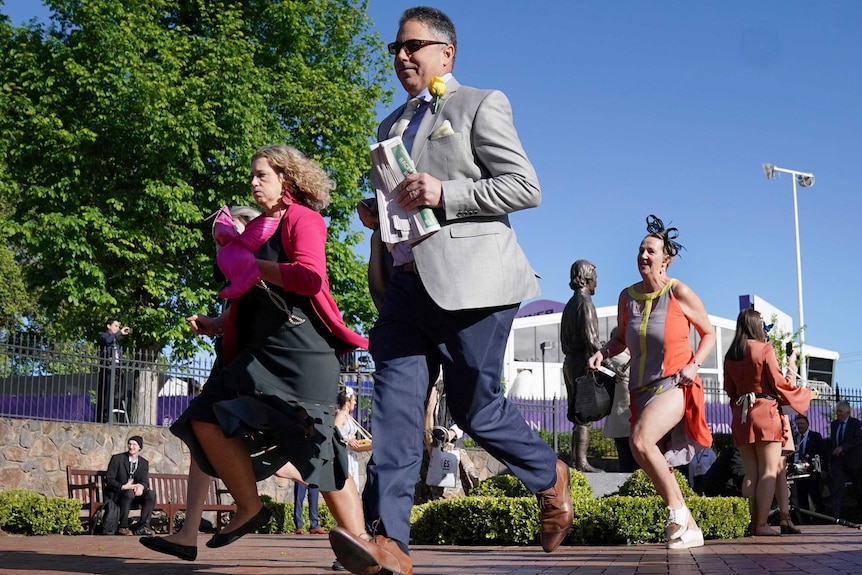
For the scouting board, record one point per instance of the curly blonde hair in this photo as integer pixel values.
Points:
(305, 180)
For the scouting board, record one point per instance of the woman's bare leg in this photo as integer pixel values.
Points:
(196, 494)
(661, 415)
(782, 491)
(761, 461)
(230, 460)
(344, 504)
(346, 507)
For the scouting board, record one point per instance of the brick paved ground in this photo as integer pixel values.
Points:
(821, 549)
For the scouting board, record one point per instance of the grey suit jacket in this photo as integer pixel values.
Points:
(474, 261)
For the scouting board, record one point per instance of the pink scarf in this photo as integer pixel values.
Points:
(236, 257)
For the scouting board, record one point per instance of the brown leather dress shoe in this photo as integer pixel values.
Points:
(555, 505)
(299, 531)
(361, 556)
(124, 531)
(318, 531)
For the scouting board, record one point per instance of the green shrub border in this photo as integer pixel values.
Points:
(33, 514)
(500, 511)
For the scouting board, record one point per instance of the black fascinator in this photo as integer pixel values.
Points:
(669, 235)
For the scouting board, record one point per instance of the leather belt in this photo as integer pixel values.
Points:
(408, 268)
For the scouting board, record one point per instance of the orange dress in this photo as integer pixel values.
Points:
(758, 373)
(657, 336)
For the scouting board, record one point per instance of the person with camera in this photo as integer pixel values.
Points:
(755, 384)
(845, 463)
(806, 463)
(109, 368)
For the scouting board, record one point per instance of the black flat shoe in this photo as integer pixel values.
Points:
(162, 545)
(221, 539)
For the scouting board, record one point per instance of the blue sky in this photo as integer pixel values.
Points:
(629, 108)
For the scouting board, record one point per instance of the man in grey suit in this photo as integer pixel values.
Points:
(452, 298)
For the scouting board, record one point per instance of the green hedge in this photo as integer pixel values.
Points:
(640, 485)
(511, 486)
(506, 514)
(606, 521)
(500, 511)
(33, 514)
(282, 516)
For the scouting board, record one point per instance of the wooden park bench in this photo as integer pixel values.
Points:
(87, 486)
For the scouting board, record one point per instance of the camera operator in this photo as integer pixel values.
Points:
(811, 449)
(845, 463)
(109, 369)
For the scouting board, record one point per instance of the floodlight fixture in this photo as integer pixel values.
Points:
(805, 180)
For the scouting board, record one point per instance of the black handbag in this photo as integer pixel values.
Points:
(594, 395)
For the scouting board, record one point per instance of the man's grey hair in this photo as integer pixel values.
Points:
(581, 273)
(438, 23)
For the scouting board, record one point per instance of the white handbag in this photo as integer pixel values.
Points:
(443, 467)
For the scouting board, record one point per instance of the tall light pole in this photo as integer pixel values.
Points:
(545, 345)
(806, 180)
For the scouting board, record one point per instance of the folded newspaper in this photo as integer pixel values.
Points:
(390, 164)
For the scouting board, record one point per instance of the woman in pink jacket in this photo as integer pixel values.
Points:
(267, 405)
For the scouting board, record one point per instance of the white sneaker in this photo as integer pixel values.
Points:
(677, 522)
(690, 538)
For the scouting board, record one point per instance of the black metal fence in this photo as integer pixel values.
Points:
(57, 381)
(42, 379)
(548, 415)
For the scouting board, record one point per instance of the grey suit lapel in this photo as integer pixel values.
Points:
(431, 121)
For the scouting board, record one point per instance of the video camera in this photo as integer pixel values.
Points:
(809, 464)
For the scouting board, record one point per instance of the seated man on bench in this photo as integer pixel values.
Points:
(127, 483)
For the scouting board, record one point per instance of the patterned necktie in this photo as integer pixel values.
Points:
(400, 126)
(133, 467)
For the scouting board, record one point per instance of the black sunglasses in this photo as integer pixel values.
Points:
(411, 46)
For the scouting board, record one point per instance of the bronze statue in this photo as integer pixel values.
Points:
(579, 338)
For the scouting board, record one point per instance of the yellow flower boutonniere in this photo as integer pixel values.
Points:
(436, 87)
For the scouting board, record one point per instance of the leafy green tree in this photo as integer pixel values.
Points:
(127, 123)
(16, 302)
(779, 340)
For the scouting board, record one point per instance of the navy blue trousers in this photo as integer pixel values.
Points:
(412, 338)
(299, 491)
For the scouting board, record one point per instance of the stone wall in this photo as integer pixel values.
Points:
(34, 455)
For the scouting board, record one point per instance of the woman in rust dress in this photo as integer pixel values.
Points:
(756, 386)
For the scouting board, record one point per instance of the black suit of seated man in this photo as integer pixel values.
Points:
(127, 482)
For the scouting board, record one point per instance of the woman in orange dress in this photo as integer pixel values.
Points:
(755, 384)
(654, 320)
